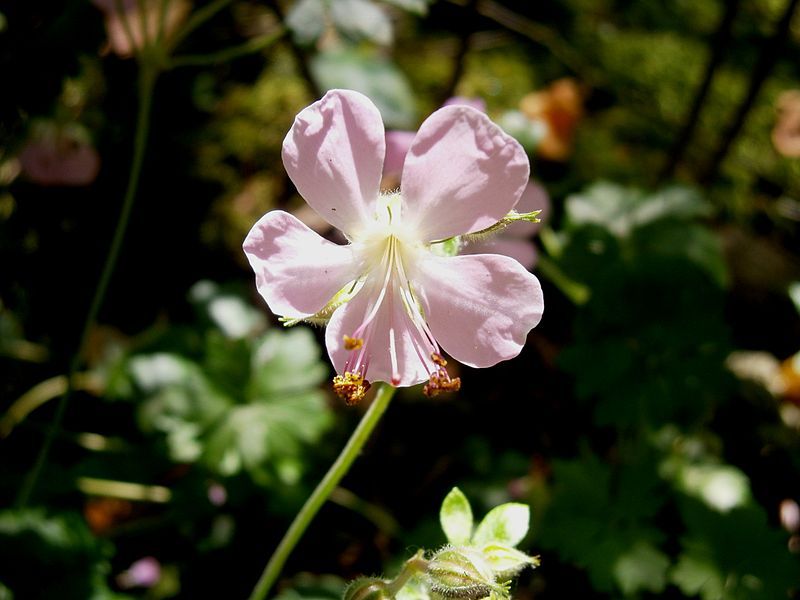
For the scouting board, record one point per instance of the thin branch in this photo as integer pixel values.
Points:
(464, 43)
(222, 56)
(300, 56)
(719, 46)
(540, 34)
(768, 57)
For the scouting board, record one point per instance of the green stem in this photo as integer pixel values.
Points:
(198, 17)
(413, 566)
(577, 292)
(249, 47)
(147, 79)
(323, 490)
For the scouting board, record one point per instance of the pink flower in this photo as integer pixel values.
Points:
(145, 572)
(59, 155)
(512, 241)
(137, 24)
(393, 297)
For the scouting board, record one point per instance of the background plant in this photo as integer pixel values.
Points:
(651, 422)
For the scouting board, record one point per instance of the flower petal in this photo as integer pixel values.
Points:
(534, 197)
(391, 321)
(397, 145)
(334, 155)
(462, 174)
(297, 271)
(480, 308)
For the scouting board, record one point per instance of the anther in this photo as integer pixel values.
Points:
(353, 343)
(440, 380)
(351, 387)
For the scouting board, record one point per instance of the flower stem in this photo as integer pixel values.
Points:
(413, 566)
(323, 490)
(215, 58)
(147, 79)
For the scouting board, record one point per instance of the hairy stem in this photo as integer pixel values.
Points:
(323, 491)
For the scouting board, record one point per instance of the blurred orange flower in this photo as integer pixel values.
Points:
(786, 133)
(559, 107)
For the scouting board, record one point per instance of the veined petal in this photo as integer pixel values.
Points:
(334, 155)
(391, 331)
(297, 271)
(479, 308)
(462, 174)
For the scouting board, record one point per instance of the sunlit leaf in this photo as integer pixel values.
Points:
(642, 567)
(286, 361)
(306, 20)
(372, 75)
(361, 19)
(506, 524)
(455, 517)
(506, 561)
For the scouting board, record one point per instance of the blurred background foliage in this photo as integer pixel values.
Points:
(651, 422)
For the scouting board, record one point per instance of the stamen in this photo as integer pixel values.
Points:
(440, 380)
(351, 387)
(387, 258)
(393, 357)
(351, 343)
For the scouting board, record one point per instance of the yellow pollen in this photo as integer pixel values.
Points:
(351, 387)
(352, 343)
(440, 381)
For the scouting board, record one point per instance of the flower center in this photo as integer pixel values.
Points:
(390, 251)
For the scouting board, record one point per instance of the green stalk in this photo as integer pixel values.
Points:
(251, 46)
(323, 490)
(147, 80)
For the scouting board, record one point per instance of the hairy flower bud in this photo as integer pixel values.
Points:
(461, 572)
(367, 588)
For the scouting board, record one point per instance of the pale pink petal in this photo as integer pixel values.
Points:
(297, 271)
(462, 174)
(521, 250)
(334, 155)
(60, 161)
(476, 103)
(534, 197)
(397, 145)
(480, 308)
(390, 321)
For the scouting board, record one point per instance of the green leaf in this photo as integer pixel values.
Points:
(456, 517)
(741, 556)
(306, 20)
(621, 210)
(505, 524)
(284, 362)
(416, 588)
(506, 561)
(695, 575)
(361, 19)
(33, 542)
(641, 568)
(259, 437)
(372, 75)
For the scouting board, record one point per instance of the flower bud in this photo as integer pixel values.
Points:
(460, 572)
(367, 588)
